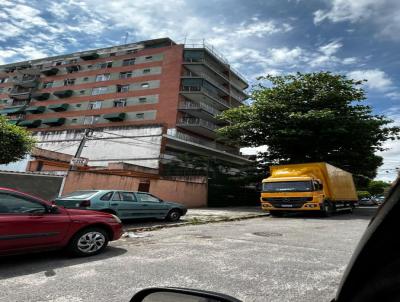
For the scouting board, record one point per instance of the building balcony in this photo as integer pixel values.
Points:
(115, 117)
(63, 93)
(30, 123)
(200, 110)
(73, 68)
(20, 93)
(198, 125)
(35, 109)
(90, 56)
(40, 96)
(50, 71)
(13, 110)
(199, 93)
(54, 121)
(208, 79)
(58, 107)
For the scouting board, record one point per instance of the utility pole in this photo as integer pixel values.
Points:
(88, 133)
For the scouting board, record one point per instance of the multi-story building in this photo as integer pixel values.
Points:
(146, 102)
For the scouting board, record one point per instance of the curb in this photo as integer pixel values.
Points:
(174, 225)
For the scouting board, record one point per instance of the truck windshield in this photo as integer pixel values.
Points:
(287, 186)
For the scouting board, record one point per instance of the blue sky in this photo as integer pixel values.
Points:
(359, 38)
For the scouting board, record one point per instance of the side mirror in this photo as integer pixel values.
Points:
(169, 294)
(53, 209)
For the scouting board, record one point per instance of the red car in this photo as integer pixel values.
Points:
(29, 223)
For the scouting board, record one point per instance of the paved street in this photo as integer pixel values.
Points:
(261, 259)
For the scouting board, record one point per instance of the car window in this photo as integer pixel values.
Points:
(79, 195)
(13, 204)
(117, 196)
(106, 196)
(143, 197)
(127, 196)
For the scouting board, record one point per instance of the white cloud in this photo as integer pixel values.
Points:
(260, 29)
(377, 79)
(350, 60)
(383, 14)
(330, 48)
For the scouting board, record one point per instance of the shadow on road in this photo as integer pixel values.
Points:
(48, 262)
(359, 213)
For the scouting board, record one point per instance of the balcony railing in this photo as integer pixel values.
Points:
(208, 78)
(207, 91)
(195, 121)
(201, 105)
(203, 142)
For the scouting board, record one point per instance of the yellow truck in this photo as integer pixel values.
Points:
(308, 187)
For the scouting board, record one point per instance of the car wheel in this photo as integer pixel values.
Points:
(174, 215)
(88, 242)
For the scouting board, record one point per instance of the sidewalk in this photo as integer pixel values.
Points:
(197, 216)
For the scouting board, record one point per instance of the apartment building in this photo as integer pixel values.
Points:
(145, 102)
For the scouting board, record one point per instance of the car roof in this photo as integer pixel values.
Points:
(23, 193)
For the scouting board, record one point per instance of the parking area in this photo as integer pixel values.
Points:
(296, 258)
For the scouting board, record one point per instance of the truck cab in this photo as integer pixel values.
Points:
(292, 193)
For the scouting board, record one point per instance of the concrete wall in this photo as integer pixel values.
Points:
(190, 193)
(136, 145)
(44, 186)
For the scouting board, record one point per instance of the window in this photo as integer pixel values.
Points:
(94, 105)
(144, 197)
(112, 54)
(92, 119)
(117, 197)
(142, 100)
(74, 121)
(78, 105)
(99, 90)
(120, 103)
(127, 196)
(13, 204)
(145, 85)
(106, 196)
(89, 66)
(146, 70)
(3, 80)
(131, 51)
(122, 88)
(73, 61)
(82, 91)
(140, 115)
(105, 65)
(47, 84)
(58, 63)
(127, 62)
(85, 79)
(149, 57)
(102, 77)
(69, 82)
(125, 75)
(1, 90)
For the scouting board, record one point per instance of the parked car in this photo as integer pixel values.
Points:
(366, 201)
(28, 223)
(124, 204)
(378, 199)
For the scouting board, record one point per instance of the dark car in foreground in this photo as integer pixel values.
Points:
(28, 223)
(124, 204)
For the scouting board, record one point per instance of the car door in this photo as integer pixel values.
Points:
(125, 204)
(152, 206)
(26, 223)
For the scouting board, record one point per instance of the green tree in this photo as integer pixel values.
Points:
(377, 187)
(311, 117)
(15, 142)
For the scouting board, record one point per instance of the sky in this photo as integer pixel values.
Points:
(358, 38)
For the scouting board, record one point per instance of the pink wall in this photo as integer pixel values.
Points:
(192, 194)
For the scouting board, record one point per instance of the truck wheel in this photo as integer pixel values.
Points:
(276, 213)
(327, 209)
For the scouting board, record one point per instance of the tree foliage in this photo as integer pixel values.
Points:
(15, 142)
(311, 117)
(377, 187)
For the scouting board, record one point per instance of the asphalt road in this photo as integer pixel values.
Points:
(263, 259)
